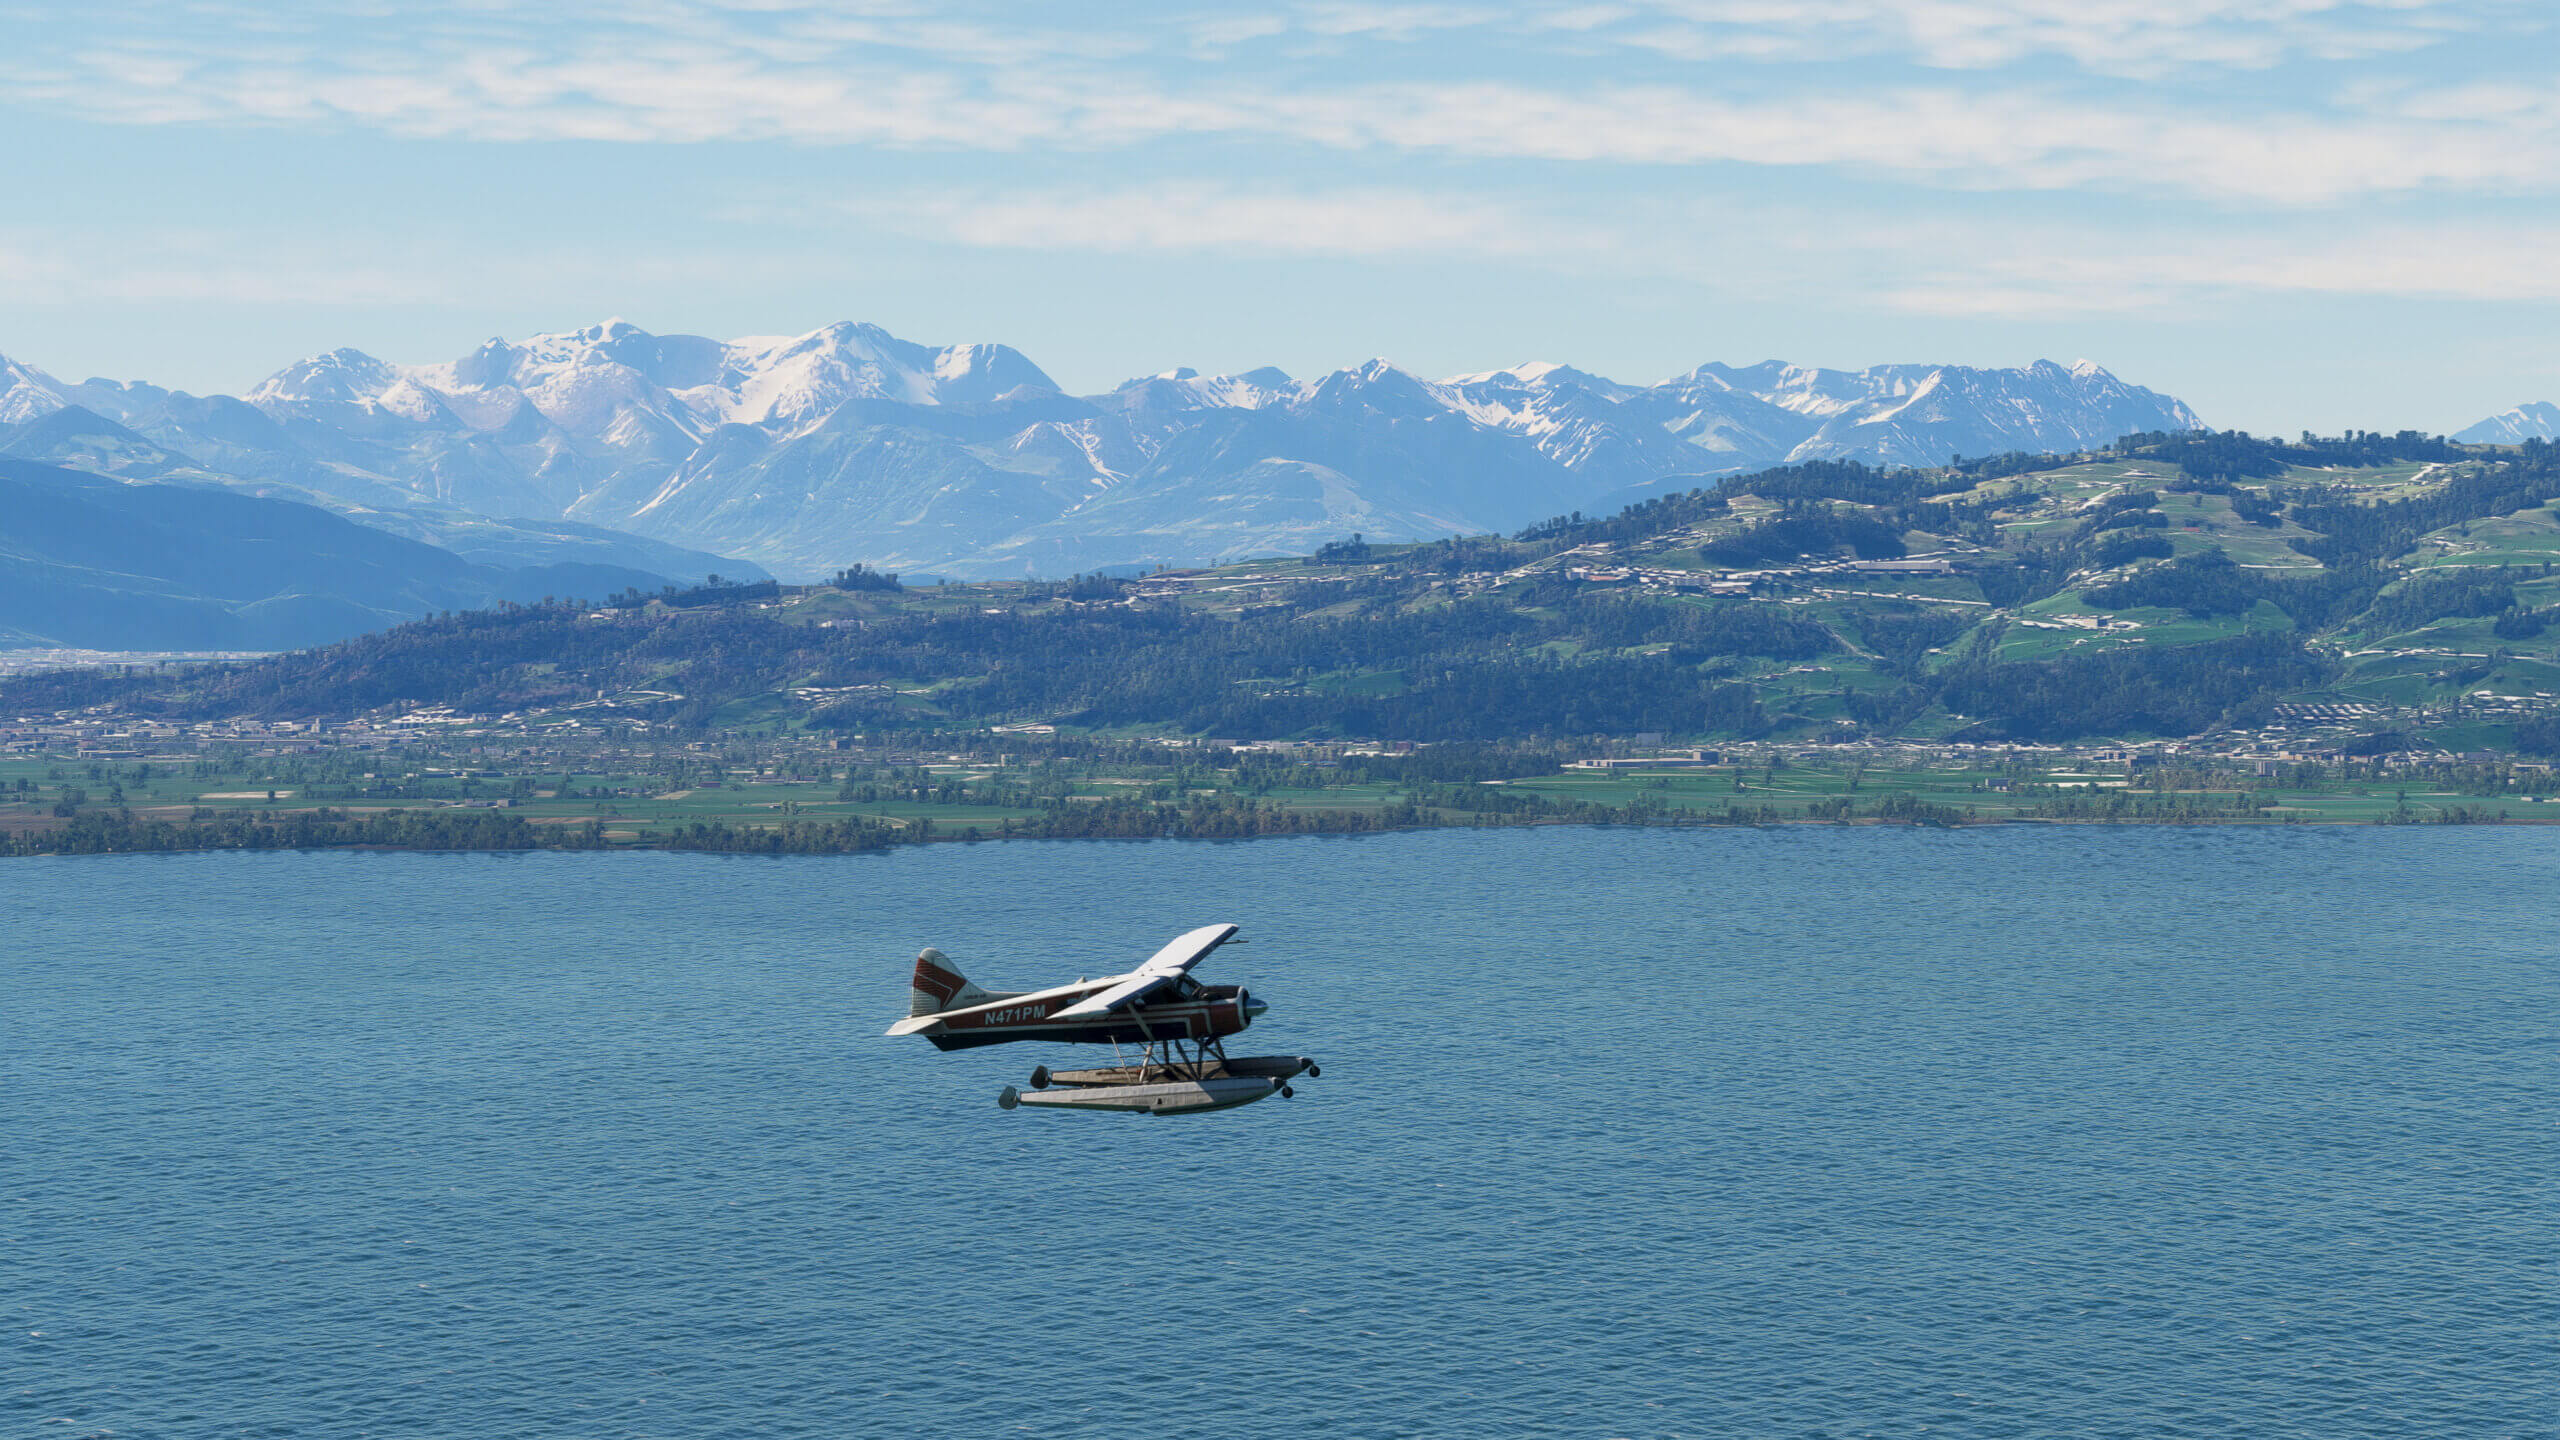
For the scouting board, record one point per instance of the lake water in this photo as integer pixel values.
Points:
(1803, 1132)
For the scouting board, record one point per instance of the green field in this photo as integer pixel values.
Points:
(643, 805)
(2529, 537)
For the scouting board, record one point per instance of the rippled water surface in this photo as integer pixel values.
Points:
(1811, 1132)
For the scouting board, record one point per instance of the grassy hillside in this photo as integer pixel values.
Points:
(2356, 589)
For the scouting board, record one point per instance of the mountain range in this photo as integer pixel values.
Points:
(846, 444)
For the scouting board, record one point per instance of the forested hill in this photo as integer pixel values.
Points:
(2400, 588)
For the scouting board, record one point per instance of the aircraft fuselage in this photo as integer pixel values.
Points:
(1210, 1013)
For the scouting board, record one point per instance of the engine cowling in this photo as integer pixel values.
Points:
(1233, 1013)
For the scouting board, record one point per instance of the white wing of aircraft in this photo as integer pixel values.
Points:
(1161, 969)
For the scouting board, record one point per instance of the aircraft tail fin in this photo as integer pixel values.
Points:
(939, 985)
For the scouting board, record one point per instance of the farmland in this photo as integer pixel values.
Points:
(760, 797)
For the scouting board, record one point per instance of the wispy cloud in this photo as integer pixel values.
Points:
(56, 267)
(2109, 37)
(2038, 277)
(1213, 217)
(675, 72)
(1948, 264)
(2023, 139)
(176, 266)
(2016, 139)
(2144, 38)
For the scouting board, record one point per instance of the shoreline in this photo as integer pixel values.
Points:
(324, 828)
(779, 799)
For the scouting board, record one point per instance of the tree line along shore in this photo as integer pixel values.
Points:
(782, 798)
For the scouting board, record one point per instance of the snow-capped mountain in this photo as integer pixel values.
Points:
(847, 443)
(2537, 421)
(1904, 413)
(617, 386)
(1578, 420)
(27, 393)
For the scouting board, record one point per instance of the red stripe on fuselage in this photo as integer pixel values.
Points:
(1189, 1020)
(1005, 1017)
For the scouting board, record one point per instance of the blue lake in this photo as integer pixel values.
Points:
(1804, 1132)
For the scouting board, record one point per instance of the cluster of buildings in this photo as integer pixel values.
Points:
(103, 735)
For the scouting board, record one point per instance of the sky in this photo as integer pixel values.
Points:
(2293, 214)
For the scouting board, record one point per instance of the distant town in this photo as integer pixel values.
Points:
(103, 782)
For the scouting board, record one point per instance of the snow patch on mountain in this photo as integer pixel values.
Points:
(622, 388)
(340, 377)
(27, 393)
(2539, 420)
(1187, 389)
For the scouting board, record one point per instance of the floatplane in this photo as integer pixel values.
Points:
(1178, 1024)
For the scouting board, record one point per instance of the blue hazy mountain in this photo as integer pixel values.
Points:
(75, 437)
(103, 563)
(2537, 421)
